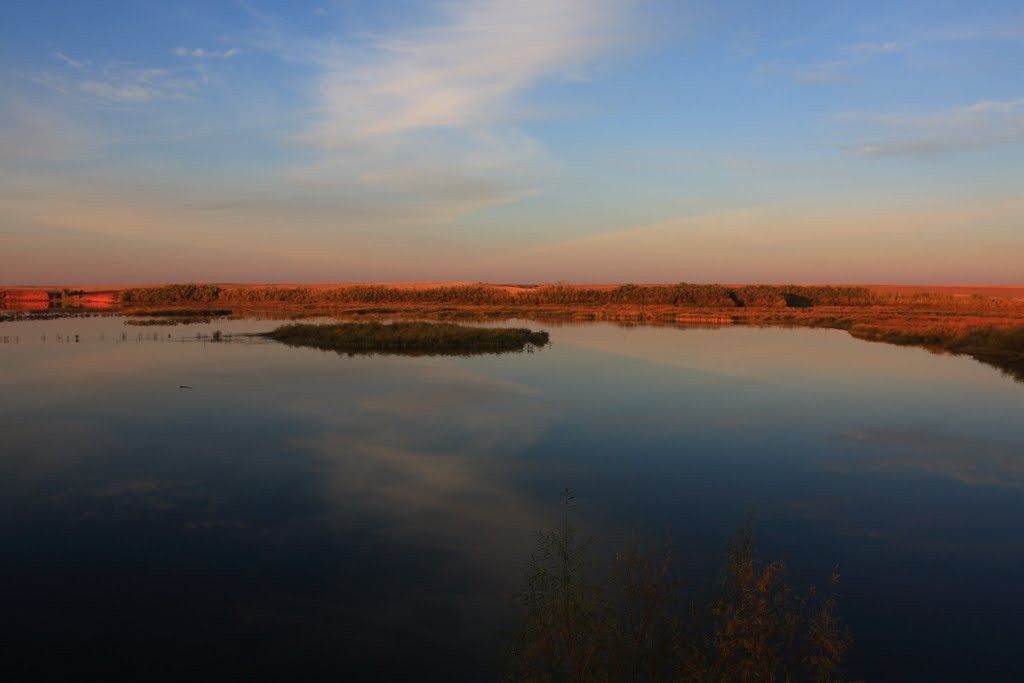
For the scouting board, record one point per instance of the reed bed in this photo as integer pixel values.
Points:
(680, 295)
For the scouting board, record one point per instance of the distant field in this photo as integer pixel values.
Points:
(739, 303)
(1008, 291)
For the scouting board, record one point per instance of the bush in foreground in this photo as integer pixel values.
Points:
(635, 626)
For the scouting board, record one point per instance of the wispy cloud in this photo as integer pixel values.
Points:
(837, 70)
(121, 83)
(823, 73)
(203, 53)
(870, 49)
(129, 84)
(432, 112)
(73, 63)
(973, 33)
(981, 124)
(838, 65)
(465, 71)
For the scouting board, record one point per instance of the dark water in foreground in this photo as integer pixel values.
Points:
(299, 514)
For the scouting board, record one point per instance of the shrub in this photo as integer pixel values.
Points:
(635, 625)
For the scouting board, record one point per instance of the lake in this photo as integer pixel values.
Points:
(295, 513)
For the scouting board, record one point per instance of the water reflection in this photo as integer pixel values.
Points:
(303, 513)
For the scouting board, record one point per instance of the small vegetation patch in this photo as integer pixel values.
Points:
(409, 338)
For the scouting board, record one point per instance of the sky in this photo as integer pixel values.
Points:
(511, 141)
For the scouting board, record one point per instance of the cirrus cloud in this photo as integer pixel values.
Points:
(980, 124)
(434, 110)
(203, 53)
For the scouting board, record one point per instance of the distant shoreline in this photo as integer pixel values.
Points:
(985, 322)
(102, 296)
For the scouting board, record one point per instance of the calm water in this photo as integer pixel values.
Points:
(300, 512)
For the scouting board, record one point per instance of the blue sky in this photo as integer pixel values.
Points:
(589, 140)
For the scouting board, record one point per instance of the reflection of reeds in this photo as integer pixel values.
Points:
(636, 626)
(183, 313)
(175, 316)
(1000, 347)
(408, 338)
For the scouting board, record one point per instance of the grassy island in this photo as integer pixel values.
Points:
(409, 338)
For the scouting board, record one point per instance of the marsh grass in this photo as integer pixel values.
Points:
(170, 294)
(408, 338)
